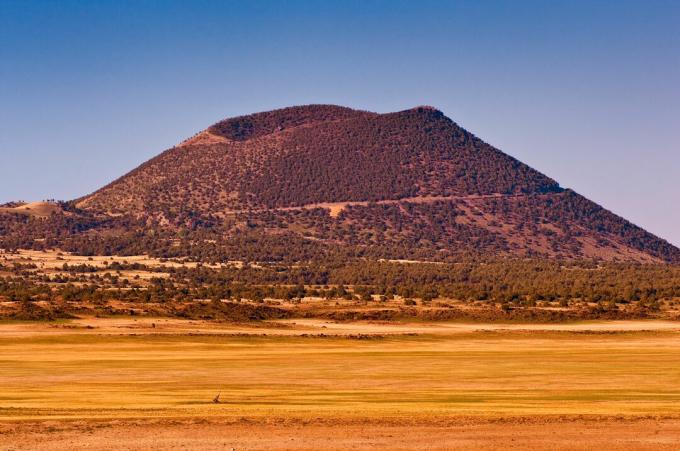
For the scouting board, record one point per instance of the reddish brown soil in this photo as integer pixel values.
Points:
(555, 433)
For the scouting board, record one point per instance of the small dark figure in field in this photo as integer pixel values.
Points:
(216, 399)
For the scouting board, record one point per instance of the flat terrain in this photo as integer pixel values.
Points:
(99, 383)
(563, 433)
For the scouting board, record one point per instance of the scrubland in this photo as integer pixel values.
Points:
(131, 352)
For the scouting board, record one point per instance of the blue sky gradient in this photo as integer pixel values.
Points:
(586, 92)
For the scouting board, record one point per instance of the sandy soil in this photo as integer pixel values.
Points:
(444, 434)
(294, 327)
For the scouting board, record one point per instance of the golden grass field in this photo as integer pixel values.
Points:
(125, 371)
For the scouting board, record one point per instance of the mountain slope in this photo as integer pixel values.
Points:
(329, 154)
(302, 180)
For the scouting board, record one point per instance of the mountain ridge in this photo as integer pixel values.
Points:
(330, 121)
(390, 185)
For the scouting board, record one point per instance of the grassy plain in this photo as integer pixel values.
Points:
(309, 372)
(481, 373)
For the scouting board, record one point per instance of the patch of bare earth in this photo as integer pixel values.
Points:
(555, 433)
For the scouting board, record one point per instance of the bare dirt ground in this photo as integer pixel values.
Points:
(314, 327)
(554, 433)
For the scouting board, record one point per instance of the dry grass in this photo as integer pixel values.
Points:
(52, 262)
(124, 383)
(55, 259)
(38, 209)
(474, 373)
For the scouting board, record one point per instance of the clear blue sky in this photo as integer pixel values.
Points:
(587, 92)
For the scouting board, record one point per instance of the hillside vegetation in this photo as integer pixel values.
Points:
(327, 183)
